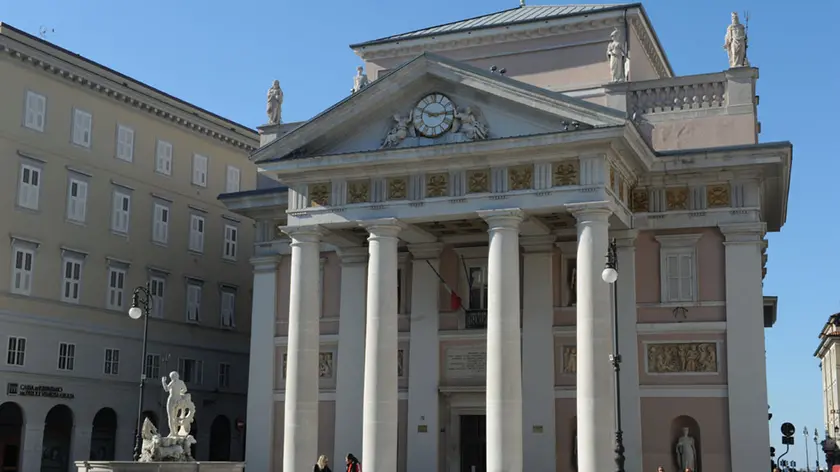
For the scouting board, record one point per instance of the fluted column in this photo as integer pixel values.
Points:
(504, 354)
(351, 353)
(379, 437)
(300, 432)
(595, 408)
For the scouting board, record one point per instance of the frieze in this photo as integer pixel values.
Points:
(682, 358)
(566, 173)
(319, 194)
(397, 188)
(437, 185)
(677, 198)
(478, 181)
(358, 191)
(718, 196)
(520, 177)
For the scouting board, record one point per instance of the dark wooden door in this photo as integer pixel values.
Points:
(473, 443)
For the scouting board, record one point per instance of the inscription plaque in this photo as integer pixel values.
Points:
(466, 362)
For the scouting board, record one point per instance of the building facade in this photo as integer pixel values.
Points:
(827, 353)
(109, 184)
(428, 291)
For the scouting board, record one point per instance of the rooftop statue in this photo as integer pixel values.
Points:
(360, 80)
(274, 107)
(735, 43)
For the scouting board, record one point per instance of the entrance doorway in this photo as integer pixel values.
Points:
(103, 437)
(220, 439)
(473, 443)
(11, 427)
(58, 429)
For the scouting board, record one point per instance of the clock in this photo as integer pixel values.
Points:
(433, 115)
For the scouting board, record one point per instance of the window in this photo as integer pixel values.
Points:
(199, 170)
(77, 193)
(163, 158)
(125, 143)
(224, 375)
(231, 234)
(36, 111)
(72, 283)
(190, 370)
(66, 356)
(196, 233)
(24, 259)
(228, 308)
(232, 182)
(16, 351)
(122, 212)
(477, 282)
(112, 361)
(160, 228)
(152, 367)
(82, 125)
(116, 288)
(193, 302)
(156, 287)
(678, 267)
(29, 189)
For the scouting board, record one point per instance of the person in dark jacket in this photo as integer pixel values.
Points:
(322, 464)
(353, 464)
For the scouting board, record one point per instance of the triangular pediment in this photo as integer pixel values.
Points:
(433, 101)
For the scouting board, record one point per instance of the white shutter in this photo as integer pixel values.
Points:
(232, 184)
(36, 107)
(200, 170)
(160, 230)
(82, 122)
(193, 302)
(672, 265)
(686, 277)
(30, 186)
(125, 143)
(196, 233)
(228, 307)
(77, 200)
(163, 158)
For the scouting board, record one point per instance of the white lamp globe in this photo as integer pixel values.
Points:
(135, 313)
(609, 275)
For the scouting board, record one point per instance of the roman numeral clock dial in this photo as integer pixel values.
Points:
(434, 115)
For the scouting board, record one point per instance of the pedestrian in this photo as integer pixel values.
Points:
(322, 464)
(660, 469)
(353, 464)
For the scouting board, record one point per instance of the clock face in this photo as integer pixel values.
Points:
(433, 115)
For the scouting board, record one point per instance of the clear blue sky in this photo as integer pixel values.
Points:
(223, 56)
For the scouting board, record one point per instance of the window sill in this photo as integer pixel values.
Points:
(70, 302)
(33, 211)
(229, 260)
(36, 130)
(80, 145)
(128, 161)
(119, 233)
(195, 253)
(163, 174)
(75, 222)
(160, 244)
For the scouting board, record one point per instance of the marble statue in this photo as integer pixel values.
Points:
(360, 81)
(686, 453)
(402, 129)
(176, 388)
(469, 125)
(180, 412)
(735, 43)
(274, 105)
(617, 55)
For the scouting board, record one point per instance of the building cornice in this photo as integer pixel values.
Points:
(79, 76)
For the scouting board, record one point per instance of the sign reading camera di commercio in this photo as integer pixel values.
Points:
(28, 390)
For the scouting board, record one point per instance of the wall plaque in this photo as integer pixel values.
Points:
(47, 391)
(466, 362)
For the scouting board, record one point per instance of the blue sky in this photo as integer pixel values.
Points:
(223, 56)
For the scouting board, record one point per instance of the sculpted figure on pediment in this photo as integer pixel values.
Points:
(360, 81)
(402, 129)
(735, 43)
(274, 105)
(469, 124)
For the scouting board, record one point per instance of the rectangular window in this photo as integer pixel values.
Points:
(112, 361)
(157, 288)
(116, 288)
(22, 268)
(232, 182)
(82, 126)
(478, 287)
(190, 370)
(160, 227)
(66, 356)
(152, 367)
(29, 188)
(228, 309)
(193, 302)
(678, 267)
(122, 212)
(231, 236)
(36, 111)
(72, 283)
(125, 143)
(199, 170)
(16, 351)
(196, 233)
(163, 158)
(77, 193)
(224, 375)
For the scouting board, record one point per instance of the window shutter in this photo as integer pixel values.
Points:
(672, 267)
(200, 234)
(116, 212)
(232, 179)
(81, 201)
(686, 277)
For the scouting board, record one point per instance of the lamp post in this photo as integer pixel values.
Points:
(807, 460)
(610, 276)
(141, 302)
(817, 450)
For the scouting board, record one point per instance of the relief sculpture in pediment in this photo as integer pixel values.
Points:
(435, 117)
(402, 129)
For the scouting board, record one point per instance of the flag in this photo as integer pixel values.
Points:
(454, 299)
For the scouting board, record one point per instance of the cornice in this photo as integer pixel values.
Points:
(121, 93)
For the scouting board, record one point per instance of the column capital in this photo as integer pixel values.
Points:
(303, 234)
(743, 232)
(352, 255)
(537, 244)
(266, 264)
(383, 227)
(625, 239)
(425, 251)
(502, 219)
(590, 211)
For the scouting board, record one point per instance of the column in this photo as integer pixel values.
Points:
(81, 442)
(33, 443)
(379, 437)
(745, 355)
(300, 433)
(504, 354)
(595, 425)
(424, 359)
(351, 354)
(261, 371)
(628, 347)
(539, 431)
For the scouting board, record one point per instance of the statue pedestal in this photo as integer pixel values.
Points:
(114, 466)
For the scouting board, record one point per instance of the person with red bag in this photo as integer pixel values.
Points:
(353, 464)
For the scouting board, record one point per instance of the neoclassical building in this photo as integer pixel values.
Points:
(427, 273)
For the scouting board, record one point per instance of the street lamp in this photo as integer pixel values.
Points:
(817, 449)
(141, 302)
(807, 460)
(610, 275)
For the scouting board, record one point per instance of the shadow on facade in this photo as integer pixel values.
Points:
(11, 433)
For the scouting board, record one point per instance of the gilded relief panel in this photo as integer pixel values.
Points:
(682, 358)
(566, 173)
(717, 196)
(639, 203)
(358, 191)
(520, 177)
(677, 198)
(397, 188)
(478, 181)
(437, 185)
(319, 194)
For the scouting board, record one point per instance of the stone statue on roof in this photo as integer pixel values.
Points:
(274, 105)
(360, 81)
(735, 43)
(617, 55)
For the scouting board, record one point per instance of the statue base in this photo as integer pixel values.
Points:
(159, 448)
(114, 466)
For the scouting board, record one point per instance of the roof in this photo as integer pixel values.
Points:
(519, 15)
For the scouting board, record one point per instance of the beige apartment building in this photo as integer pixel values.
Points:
(108, 184)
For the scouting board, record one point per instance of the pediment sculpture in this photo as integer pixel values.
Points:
(434, 117)
(180, 413)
